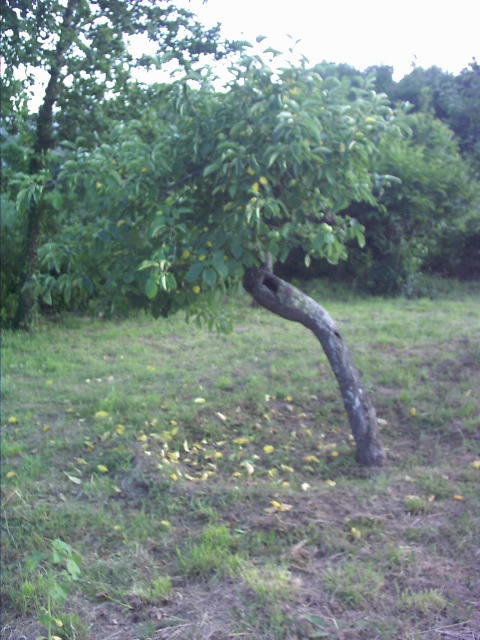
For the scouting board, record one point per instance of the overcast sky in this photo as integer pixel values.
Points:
(445, 33)
(362, 33)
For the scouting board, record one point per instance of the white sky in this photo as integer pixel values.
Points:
(445, 33)
(362, 33)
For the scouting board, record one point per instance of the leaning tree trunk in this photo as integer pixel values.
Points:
(283, 299)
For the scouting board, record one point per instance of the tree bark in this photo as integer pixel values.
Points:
(25, 314)
(290, 303)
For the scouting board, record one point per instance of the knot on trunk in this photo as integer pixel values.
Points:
(255, 279)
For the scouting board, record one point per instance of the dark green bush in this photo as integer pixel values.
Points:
(11, 239)
(422, 215)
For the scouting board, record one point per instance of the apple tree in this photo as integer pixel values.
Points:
(208, 188)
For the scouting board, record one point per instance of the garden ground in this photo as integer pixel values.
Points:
(209, 485)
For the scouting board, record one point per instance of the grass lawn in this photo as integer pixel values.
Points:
(209, 486)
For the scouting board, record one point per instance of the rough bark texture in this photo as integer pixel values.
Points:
(283, 299)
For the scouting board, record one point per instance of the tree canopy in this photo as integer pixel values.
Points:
(206, 183)
(120, 195)
(83, 46)
(84, 49)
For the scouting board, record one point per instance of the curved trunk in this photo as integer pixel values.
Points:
(283, 299)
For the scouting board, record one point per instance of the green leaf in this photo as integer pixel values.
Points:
(219, 263)
(360, 239)
(67, 293)
(60, 550)
(171, 282)
(319, 240)
(33, 562)
(237, 248)
(211, 169)
(22, 194)
(73, 568)
(209, 276)
(194, 271)
(274, 52)
(56, 200)
(45, 619)
(146, 264)
(273, 247)
(114, 179)
(155, 229)
(316, 621)
(151, 288)
(59, 594)
(272, 158)
(47, 297)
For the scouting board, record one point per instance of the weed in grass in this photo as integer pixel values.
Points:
(10, 448)
(98, 487)
(213, 552)
(416, 504)
(160, 588)
(146, 630)
(59, 569)
(354, 583)
(111, 578)
(269, 583)
(30, 592)
(264, 621)
(461, 534)
(421, 534)
(434, 484)
(32, 467)
(425, 602)
(225, 383)
(142, 527)
(259, 543)
(329, 538)
(73, 628)
(393, 557)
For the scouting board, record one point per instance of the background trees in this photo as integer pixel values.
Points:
(118, 195)
(433, 197)
(83, 49)
(452, 99)
(426, 219)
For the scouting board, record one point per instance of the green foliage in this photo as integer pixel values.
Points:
(57, 571)
(120, 196)
(83, 47)
(457, 251)
(452, 99)
(11, 235)
(213, 552)
(269, 165)
(24, 189)
(433, 200)
(96, 56)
